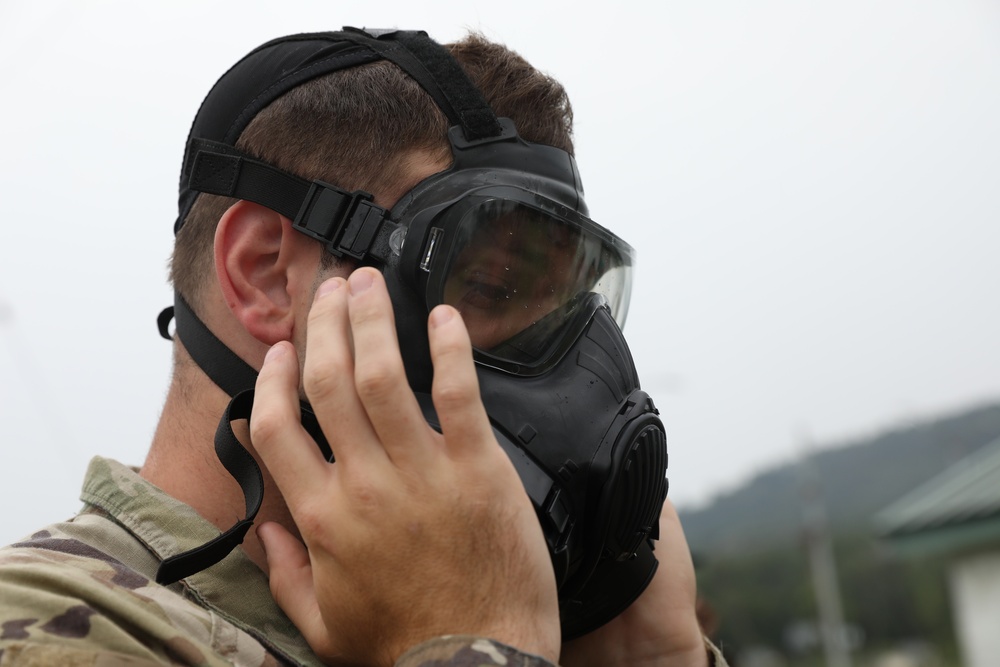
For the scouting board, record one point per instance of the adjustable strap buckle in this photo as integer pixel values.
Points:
(347, 222)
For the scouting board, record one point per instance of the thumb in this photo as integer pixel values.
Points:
(291, 582)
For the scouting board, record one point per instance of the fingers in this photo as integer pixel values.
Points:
(329, 377)
(376, 414)
(291, 580)
(663, 617)
(289, 453)
(456, 388)
(673, 552)
(381, 534)
(379, 376)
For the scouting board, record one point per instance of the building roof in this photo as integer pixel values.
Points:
(956, 509)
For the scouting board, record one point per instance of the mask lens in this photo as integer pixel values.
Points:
(519, 275)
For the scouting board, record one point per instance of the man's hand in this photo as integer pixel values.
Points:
(660, 628)
(411, 534)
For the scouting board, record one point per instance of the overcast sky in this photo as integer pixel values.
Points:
(812, 189)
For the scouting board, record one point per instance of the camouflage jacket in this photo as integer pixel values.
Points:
(81, 593)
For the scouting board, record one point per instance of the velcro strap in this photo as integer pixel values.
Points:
(346, 222)
(433, 67)
(243, 177)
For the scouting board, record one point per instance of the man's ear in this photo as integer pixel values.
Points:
(260, 260)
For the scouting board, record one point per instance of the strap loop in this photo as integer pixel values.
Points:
(347, 222)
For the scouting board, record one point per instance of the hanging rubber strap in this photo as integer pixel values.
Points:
(242, 466)
(237, 378)
(222, 365)
(244, 469)
(438, 73)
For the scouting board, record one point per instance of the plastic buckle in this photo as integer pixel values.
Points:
(346, 222)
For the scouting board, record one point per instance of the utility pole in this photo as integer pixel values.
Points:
(822, 565)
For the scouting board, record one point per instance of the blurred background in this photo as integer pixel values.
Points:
(812, 189)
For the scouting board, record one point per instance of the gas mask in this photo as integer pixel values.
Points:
(503, 236)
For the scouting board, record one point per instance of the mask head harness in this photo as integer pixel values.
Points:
(502, 235)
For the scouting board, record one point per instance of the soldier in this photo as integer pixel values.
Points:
(402, 243)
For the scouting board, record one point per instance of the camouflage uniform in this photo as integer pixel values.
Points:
(81, 593)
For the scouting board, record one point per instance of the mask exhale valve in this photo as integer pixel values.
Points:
(593, 463)
(592, 452)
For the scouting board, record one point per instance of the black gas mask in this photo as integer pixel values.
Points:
(503, 236)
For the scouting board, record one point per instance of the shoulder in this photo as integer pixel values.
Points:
(25, 654)
(468, 651)
(63, 601)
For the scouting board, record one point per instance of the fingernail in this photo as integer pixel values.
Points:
(276, 352)
(440, 315)
(331, 285)
(360, 281)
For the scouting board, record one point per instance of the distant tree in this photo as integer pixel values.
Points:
(759, 596)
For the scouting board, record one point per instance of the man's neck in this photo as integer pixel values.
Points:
(182, 460)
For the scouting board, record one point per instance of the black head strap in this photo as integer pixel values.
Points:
(223, 366)
(262, 76)
(346, 222)
(274, 68)
(438, 73)
(237, 378)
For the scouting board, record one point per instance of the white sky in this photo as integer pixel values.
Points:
(812, 188)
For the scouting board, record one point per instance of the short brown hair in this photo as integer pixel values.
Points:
(354, 127)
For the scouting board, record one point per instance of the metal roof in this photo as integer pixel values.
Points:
(968, 492)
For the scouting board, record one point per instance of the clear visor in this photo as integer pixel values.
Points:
(520, 276)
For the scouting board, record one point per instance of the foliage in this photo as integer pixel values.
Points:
(753, 569)
(856, 479)
(757, 597)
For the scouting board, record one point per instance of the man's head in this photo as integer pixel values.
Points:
(470, 197)
(371, 128)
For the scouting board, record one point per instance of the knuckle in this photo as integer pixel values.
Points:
(366, 496)
(267, 423)
(451, 394)
(322, 378)
(311, 520)
(376, 380)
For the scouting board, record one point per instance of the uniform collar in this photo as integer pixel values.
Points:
(235, 588)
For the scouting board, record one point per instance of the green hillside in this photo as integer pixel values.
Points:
(753, 570)
(857, 479)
